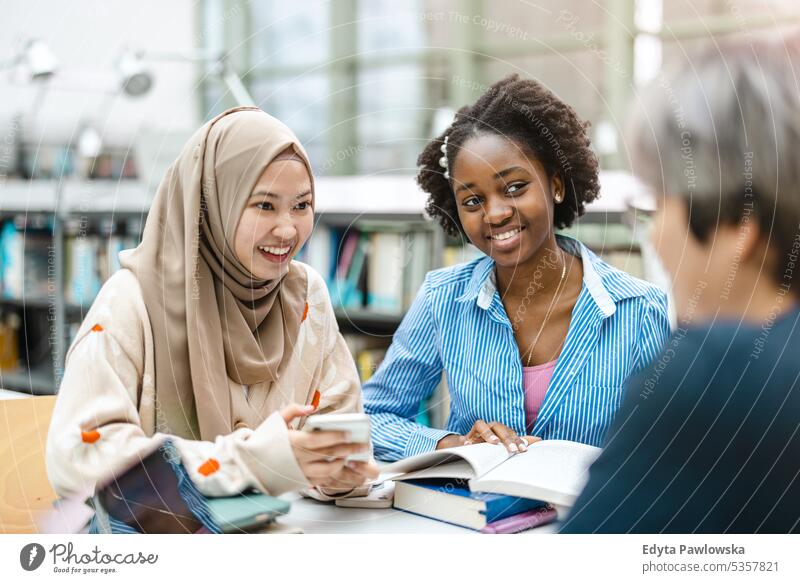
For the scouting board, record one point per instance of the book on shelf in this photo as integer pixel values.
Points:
(457, 254)
(347, 289)
(368, 362)
(90, 259)
(552, 471)
(368, 352)
(82, 269)
(26, 268)
(451, 500)
(10, 323)
(37, 161)
(12, 258)
(374, 266)
(27, 260)
(25, 351)
(319, 252)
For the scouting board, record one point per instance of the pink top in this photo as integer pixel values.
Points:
(535, 380)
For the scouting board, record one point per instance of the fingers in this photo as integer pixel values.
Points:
(452, 440)
(457, 440)
(336, 451)
(472, 437)
(320, 472)
(353, 475)
(313, 440)
(508, 437)
(531, 439)
(346, 479)
(368, 469)
(482, 432)
(340, 474)
(291, 412)
(497, 433)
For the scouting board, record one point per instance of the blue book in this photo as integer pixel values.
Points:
(450, 500)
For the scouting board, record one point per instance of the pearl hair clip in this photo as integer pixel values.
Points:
(443, 159)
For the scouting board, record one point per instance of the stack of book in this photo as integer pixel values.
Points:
(484, 487)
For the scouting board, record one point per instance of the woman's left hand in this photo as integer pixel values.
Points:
(352, 475)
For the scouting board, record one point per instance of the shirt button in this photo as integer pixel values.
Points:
(240, 425)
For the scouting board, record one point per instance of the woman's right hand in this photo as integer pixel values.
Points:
(321, 455)
(495, 433)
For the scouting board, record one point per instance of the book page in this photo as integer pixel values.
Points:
(459, 469)
(554, 471)
(480, 458)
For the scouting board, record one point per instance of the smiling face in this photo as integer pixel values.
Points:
(504, 198)
(277, 219)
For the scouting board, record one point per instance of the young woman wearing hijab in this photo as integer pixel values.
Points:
(211, 335)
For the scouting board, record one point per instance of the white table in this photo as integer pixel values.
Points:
(6, 394)
(327, 518)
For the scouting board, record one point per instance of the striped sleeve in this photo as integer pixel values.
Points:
(408, 375)
(655, 330)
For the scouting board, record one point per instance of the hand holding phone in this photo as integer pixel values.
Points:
(321, 454)
(355, 425)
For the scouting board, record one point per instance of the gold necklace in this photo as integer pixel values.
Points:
(529, 352)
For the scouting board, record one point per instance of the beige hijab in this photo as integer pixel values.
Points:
(211, 319)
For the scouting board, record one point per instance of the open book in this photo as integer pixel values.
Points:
(553, 471)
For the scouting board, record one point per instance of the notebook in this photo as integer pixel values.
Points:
(245, 512)
(450, 500)
(552, 471)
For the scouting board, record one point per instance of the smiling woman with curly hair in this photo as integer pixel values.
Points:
(538, 337)
(536, 121)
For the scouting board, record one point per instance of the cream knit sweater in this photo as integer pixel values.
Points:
(105, 416)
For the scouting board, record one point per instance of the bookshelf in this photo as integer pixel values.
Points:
(380, 217)
(61, 213)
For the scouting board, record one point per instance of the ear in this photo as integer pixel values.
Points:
(557, 188)
(741, 240)
(750, 240)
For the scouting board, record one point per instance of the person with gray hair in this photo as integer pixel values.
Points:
(708, 436)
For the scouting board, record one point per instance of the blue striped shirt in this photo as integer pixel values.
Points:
(457, 324)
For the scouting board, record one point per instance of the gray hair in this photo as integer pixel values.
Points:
(723, 133)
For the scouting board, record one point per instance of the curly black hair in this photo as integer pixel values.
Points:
(546, 127)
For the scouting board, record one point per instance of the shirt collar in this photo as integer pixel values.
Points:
(482, 285)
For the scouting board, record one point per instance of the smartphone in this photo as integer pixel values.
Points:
(357, 426)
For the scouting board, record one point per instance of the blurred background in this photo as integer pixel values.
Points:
(98, 97)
